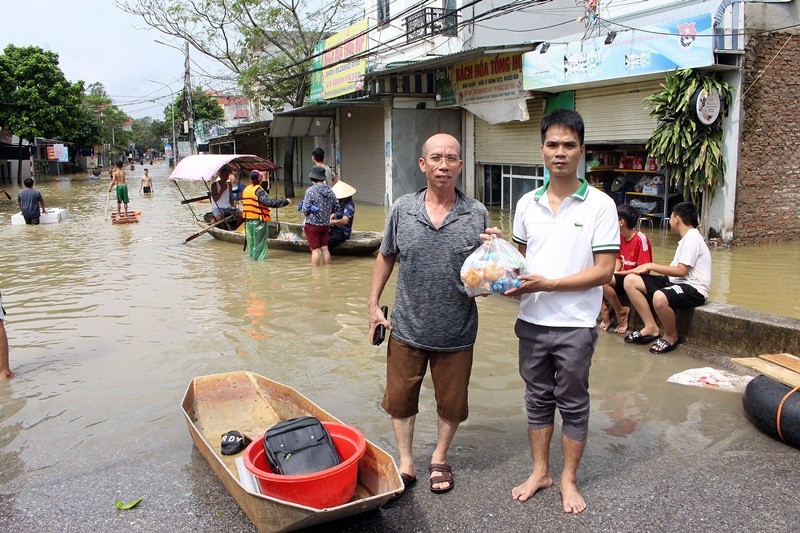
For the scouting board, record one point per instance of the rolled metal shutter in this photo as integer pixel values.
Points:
(617, 114)
(512, 143)
(362, 144)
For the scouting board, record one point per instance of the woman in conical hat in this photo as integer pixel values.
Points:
(342, 220)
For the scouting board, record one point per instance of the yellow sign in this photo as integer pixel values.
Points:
(341, 75)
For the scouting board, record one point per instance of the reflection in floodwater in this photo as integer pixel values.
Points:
(107, 324)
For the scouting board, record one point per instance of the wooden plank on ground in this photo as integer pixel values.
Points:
(771, 370)
(786, 360)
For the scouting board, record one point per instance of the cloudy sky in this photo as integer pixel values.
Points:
(98, 42)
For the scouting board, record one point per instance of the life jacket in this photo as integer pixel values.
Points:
(251, 207)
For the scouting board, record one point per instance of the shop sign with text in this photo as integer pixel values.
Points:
(335, 75)
(484, 79)
(686, 43)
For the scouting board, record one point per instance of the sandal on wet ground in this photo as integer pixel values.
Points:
(445, 472)
(661, 346)
(637, 337)
(408, 481)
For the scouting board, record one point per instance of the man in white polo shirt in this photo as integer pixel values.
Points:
(568, 232)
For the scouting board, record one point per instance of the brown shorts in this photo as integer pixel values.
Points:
(317, 236)
(405, 369)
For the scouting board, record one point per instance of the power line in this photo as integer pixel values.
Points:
(493, 13)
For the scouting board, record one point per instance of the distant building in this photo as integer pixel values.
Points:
(236, 109)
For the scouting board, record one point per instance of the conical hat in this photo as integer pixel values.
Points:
(343, 190)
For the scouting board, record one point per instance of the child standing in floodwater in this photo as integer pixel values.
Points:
(118, 179)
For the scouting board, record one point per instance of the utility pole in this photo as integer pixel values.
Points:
(172, 112)
(187, 92)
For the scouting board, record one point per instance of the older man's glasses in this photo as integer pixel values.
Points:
(450, 159)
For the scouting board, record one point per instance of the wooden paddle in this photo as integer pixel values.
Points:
(198, 199)
(7, 195)
(108, 199)
(196, 235)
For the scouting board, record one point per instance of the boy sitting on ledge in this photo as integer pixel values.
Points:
(684, 283)
(634, 249)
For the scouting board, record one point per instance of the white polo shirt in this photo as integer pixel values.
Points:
(562, 244)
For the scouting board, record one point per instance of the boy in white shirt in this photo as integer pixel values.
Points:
(684, 283)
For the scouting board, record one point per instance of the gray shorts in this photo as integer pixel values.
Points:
(554, 363)
(222, 211)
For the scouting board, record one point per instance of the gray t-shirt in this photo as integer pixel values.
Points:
(29, 201)
(432, 310)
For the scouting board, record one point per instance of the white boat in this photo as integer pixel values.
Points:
(51, 216)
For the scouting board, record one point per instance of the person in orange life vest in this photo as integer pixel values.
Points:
(255, 209)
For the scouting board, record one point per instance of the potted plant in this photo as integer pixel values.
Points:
(688, 137)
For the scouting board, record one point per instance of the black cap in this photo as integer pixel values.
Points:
(317, 174)
(233, 442)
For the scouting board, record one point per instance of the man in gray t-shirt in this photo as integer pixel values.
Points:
(30, 200)
(430, 233)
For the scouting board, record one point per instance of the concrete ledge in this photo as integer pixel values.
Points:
(739, 332)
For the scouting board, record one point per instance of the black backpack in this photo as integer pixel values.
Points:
(300, 446)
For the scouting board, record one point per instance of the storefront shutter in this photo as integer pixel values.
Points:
(617, 114)
(362, 142)
(512, 143)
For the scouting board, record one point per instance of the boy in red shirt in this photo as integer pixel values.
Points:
(634, 250)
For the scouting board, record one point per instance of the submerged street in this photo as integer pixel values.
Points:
(108, 324)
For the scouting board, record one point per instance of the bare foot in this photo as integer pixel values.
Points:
(6, 374)
(605, 317)
(532, 485)
(622, 320)
(572, 498)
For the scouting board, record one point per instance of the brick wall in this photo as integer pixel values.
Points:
(768, 181)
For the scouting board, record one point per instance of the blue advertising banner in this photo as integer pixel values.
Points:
(685, 43)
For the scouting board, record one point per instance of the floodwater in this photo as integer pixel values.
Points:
(108, 324)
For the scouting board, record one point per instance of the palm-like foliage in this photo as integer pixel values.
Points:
(689, 150)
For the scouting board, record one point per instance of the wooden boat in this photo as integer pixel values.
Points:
(282, 235)
(290, 236)
(51, 216)
(251, 404)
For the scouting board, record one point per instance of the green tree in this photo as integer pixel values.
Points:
(268, 45)
(148, 134)
(38, 100)
(205, 108)
(86, 133)
(690, 150)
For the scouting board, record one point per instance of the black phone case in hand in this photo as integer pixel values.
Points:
(380, 331)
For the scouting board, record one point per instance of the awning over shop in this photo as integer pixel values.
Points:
(289, 126)
(500, 111)
(450, 59)
(12, 151)
(312, 120)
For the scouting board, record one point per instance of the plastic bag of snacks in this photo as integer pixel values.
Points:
(495, 267)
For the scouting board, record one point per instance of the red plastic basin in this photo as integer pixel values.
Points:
(326, 488)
